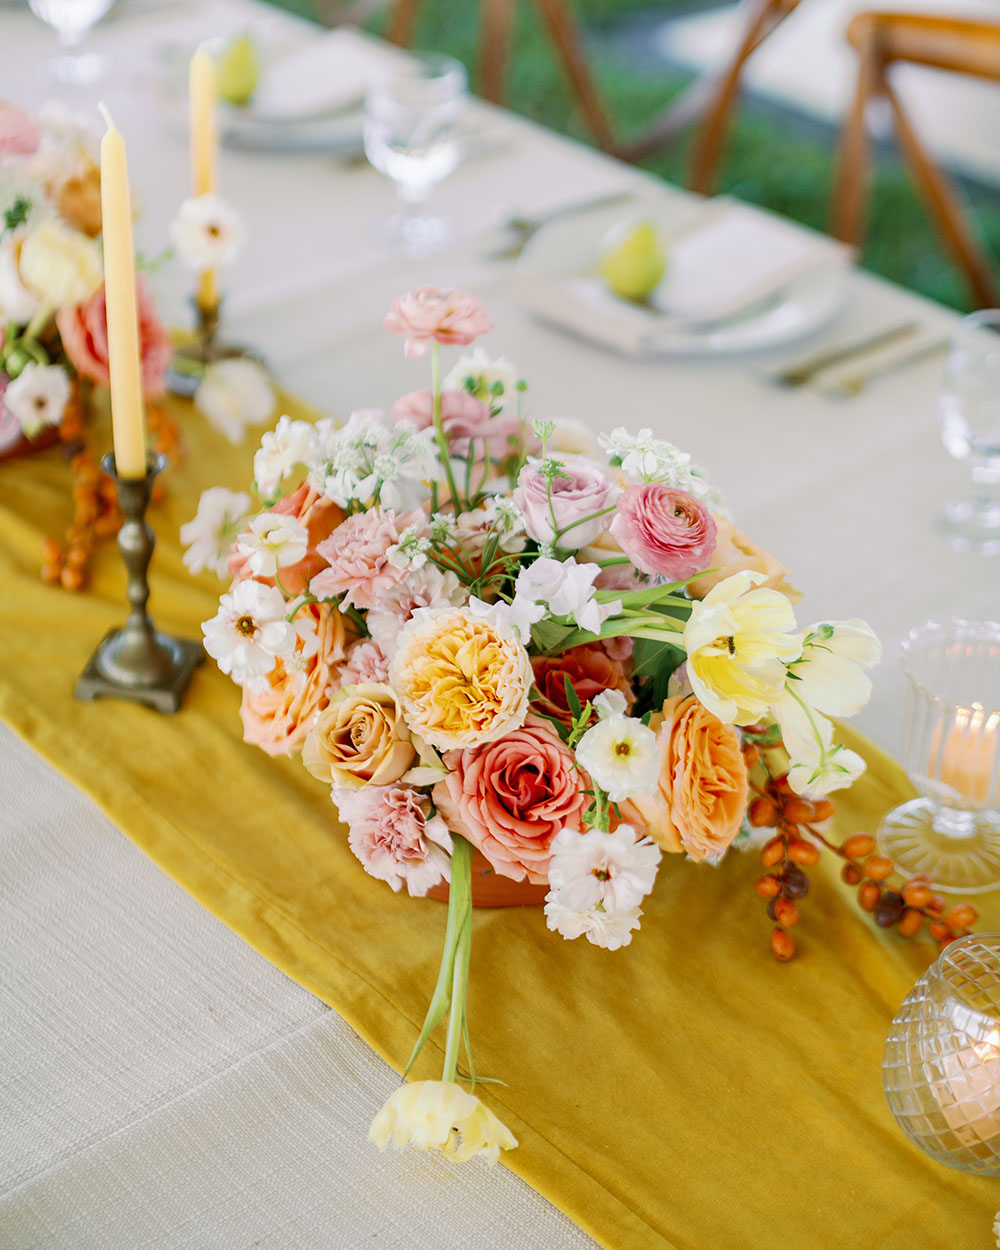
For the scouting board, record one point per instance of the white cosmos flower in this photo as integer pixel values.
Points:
(249, 633)
(37, 397)
(290, 443)
(566, 589)
(622, 757)
(234, 394)
(211, 535)
(494, 382)
(273, 542)
(206, 232)
(608, 929)
(613, 871)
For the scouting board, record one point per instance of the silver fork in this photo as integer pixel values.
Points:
(525, 228)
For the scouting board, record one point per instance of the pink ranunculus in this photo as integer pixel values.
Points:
(319, 516)
(433, 312)
(511, 797)
(18, 133)
(390, 831)
(464, 418)
(83, 329)
(279, 719)
(357, 557)
(663, 530)
(582, 490)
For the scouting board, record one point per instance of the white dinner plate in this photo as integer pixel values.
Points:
(556, 278)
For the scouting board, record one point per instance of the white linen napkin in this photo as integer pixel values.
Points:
(323, 76)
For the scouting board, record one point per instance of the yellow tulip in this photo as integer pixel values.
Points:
(440, 1115)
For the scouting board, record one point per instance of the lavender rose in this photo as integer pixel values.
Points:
(663, 530)
(581, 491)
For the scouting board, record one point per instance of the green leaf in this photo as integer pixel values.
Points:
(549, 636)
(572, 698)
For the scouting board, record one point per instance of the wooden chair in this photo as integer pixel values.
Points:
(494, 41)
(882, 40)
(710, 101)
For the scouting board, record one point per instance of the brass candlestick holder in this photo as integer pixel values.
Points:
(190, 359)
(137, 662)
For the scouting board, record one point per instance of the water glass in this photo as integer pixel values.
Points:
(412, 120)
(941, 1064)
(970, 429)
(71, 20)
(951, 751)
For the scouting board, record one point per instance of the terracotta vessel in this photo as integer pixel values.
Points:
(490, 889)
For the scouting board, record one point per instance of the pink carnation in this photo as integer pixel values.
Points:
(464, 417)
(18, 133)
(83, 329)
(390, 832)
(357, 554)
(663, 530)
(511, 797)
(431, 312)
(366, 664)
(426, 587)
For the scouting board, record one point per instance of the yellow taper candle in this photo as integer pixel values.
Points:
(202, 94)
(123, 324)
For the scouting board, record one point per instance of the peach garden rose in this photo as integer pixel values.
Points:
(359, 739)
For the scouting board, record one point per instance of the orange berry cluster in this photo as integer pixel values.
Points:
(786, 856)
(907, 907)
(96, 514)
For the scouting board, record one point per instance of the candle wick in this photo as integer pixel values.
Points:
(102, 108)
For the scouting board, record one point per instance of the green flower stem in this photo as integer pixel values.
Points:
(439, 433)
(461, 870)
(582, 521)
(37, 322)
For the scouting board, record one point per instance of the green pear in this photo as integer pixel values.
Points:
(238, 71)
(634, 262)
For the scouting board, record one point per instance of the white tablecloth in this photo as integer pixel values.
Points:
(164, 1086)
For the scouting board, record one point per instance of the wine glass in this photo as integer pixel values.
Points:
(412, 119)
(951, 751)
(970, 429)
(71, 20)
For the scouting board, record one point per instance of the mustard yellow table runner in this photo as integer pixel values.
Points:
(686, 1093)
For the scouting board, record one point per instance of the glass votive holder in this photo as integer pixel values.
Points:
(941, 1065)
(951, 752)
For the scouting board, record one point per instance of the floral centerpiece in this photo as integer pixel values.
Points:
(53, 324)
(528, 667)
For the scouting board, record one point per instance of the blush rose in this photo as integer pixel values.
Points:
(580, 492)
(83, 329)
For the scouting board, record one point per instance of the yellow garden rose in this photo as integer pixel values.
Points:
(360, 739)
(60, 265)
(461, 679)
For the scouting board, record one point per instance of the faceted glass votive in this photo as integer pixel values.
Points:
(941, 1065)
(951, 751)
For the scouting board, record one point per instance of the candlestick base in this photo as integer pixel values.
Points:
(190, 360)
(154, 671)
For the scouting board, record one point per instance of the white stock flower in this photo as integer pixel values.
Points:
(290, 443)
(17, 303)
(440, 1115)
(613, 871)
(371, 454)
(249, 632)
(644, 458)
(206, 232)
(37, 397)
(611, 930)
(273, 542)
(411, 550)
(494, 382)
(621, 755)
(566, 589)
(234, 394)
(211, 535)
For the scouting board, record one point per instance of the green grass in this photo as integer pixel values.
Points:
(771, 160)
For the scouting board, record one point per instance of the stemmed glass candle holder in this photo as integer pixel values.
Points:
(941, 1065)
(951, 751)
(970, 429)
(412, 123)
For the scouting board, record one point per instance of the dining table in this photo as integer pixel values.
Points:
(164, 1083)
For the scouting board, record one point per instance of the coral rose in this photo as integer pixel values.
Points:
(360, 739)
(433, 313)
(733, 553)
(511, 797)
(462, 680)
(84, 332)
(279, 719)
(663, 530)
(465, 419)
(590, 670)
(318, 516)
(702, 790)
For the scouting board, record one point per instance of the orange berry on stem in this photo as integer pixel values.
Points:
(782, 945)
(852, 873)
(786, 912)
(798, 811)
(767, 886)
(803, 852)
(961, 916)
(51, 551)
(750, 754)
(51, 573)
(858, 845)
(869, 895)
(878, 867)
(910, 922)
(763, 814)
(939, 930)
(71, 578)
(916, 894)
(773, 853)
(822, 809)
